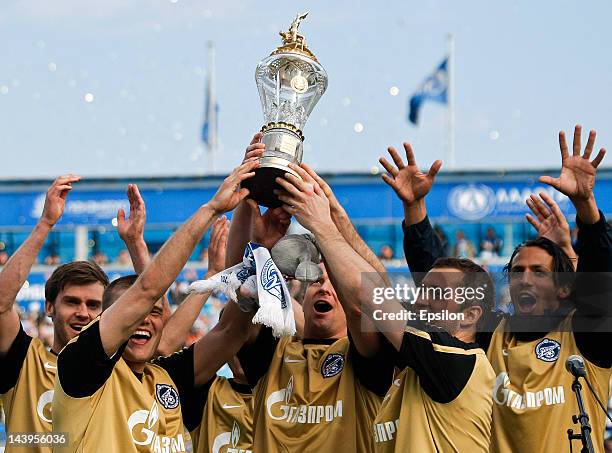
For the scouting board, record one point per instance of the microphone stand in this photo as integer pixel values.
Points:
(583, 419)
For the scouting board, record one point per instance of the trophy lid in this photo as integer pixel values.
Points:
(293, 42)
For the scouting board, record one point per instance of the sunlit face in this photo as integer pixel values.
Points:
(438, 280)
(74, 307)
(143, 343)
(323, 314)
(533, 290)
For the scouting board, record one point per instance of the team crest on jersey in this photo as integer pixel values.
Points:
(332, 365)
(167, 396)
(271, 282)
(548, 350)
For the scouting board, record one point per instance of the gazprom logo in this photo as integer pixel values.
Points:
(235, 436)
(471, 201)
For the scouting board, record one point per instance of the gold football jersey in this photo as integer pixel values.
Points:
(124, 415)
(533, 402)
(310, 400)
(410, 421)
(227, 424)
(27, 406)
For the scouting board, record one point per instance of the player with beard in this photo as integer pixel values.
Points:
(318, 392)
(554, 316)
(442, 374)
(73, 297)
(106, 391)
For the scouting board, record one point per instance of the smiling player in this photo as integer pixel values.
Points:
(73, 298)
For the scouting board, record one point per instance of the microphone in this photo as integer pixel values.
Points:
(575, 365)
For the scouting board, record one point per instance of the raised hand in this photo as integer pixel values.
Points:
(577, 177)
(55, 200)
(304, 199)
(217, 246)
(255, 148)
(132, 229)
(549, 221)
(334, 204)
(408, 182)
(269, 228)
(230, 194)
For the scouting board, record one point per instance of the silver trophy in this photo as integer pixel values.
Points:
(290, 82)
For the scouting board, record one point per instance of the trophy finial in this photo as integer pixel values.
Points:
(292, 36)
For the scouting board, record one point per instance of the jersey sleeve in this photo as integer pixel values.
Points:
(12, 361)
(594, 246)
(439, 359)
(180, 367)
(82, 366)
(592, 321)
(375, 373)
(422, 248)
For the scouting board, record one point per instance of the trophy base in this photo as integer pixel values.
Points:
(261, 185)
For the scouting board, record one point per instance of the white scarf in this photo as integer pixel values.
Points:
(275, 305)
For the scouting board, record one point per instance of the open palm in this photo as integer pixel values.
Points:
(577, 178)
(410, 183)
(549, 221)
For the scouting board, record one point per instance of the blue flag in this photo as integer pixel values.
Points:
(433, 88)
(211, 111)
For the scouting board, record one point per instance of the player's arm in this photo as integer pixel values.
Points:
(305, 200)
(422, 246)
(363, 333)
(178, 325)
(240, 229)
(131, 232)
(296, 289)
(17, 268)
(220, 344)
(443, 363)
(344, 224)
(119, 321)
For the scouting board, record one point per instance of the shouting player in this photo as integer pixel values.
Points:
(321, 391)
(553, 317)
(442, 374)
(106, 391)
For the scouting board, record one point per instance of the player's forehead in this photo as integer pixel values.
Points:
(442, 276)
(85, 291)
(532, 256)
(324, 269)
(159, 304)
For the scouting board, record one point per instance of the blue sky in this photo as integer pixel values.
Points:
(523, 69)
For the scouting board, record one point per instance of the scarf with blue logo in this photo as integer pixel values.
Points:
(263, 281)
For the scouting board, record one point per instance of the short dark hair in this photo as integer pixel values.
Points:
(474, 276)
(111, 293)
(563, 268)
(78, 273)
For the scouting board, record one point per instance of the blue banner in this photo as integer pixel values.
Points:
(367, 198)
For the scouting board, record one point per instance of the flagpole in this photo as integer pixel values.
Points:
(450, 158)
(212, 104)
